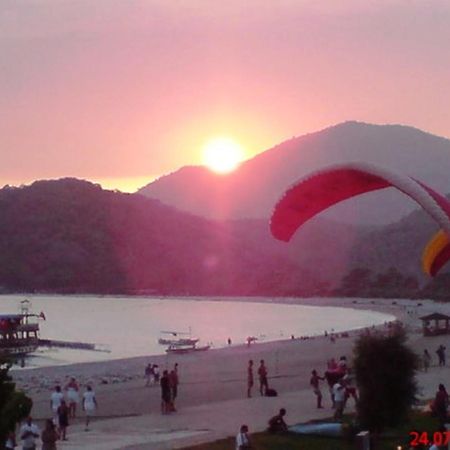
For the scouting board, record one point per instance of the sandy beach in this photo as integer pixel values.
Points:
(211, 381)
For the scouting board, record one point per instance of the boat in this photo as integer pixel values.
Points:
(176, 340)
(181, 349)
(180, 341)
(19, 333)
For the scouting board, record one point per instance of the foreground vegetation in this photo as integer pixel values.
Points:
(14, 405)
(389, 440)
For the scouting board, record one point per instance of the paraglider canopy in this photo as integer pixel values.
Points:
(322, 189)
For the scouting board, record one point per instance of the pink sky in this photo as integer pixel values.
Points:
(124, 91)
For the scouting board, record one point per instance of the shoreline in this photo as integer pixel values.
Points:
(382, 306)
(123, 370)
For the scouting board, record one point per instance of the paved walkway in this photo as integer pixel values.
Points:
(211, 421)
(194, 425)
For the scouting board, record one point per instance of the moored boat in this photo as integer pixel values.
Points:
(175, 338)
(19, 333)
(180, 349)
(180, 341)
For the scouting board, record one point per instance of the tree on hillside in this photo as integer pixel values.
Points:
(385, 374)
(356, 283)
(14, 405)
(394, 284)
(438, 288)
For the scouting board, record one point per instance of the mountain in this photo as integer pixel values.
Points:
(70, 236)
(253, 189)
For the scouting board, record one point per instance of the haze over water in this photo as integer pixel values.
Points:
(131, 326)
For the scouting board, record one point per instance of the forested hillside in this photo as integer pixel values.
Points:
(72, 236)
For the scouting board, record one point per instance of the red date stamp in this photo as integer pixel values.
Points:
(419, 438)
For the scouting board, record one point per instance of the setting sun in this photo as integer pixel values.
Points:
(222, 155)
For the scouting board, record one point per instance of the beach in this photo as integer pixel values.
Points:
(212, 387)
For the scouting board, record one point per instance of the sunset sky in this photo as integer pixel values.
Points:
(121, 92)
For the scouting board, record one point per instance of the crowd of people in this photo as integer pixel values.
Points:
(63, 406)
(64, 402)
(340, 384)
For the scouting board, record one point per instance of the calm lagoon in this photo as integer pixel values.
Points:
(131, 326)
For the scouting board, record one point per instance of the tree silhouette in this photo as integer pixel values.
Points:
(14, 405)
(385, 374)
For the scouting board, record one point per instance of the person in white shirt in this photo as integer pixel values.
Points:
(339, 399)
(55, 402)
(29, 432)
(242, 439)
(73, 396)
(89, 405)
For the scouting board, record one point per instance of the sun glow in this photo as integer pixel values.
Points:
(222, 155)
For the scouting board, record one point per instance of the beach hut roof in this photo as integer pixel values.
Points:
(435, 316)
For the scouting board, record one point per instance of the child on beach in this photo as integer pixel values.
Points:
(242, 439)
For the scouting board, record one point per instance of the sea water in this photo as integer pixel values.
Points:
(131, 326)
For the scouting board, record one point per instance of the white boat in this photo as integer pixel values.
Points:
(180, 349)
(175, 338)
(180, 341)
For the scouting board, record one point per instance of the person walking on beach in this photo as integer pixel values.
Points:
(55, 401)
(314, 382)
(49, 436)
(242, 439)
(250, 379)
(426, 359)
(339, 399)
(149, 375)
(89, 405)
(63, 419)
(73, 396)
(173, 384)
(29, 432)
(166, 406)
(262, 374)
(441, 355)
(440, 404)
